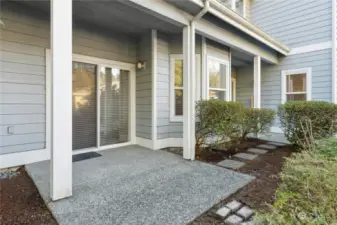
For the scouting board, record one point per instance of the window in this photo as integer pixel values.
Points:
(296, 85)
(218, 79)
(176, 92)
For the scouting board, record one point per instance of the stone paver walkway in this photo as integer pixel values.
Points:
(235, 213)
(269, 147)
(231, 164)
(245, 156)
(257, 151)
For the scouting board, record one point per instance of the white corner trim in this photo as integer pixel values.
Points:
(23, 158)
(146, 143)
(334, 51)
(311, 48)
(154, 83)
(285, 73)
(169, 142)
(275, 129)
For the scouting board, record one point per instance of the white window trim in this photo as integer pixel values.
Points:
(285, 73)
(228, 78)
(233, 89)
(173, 57)
(100, 62)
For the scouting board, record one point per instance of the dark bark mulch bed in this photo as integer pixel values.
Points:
(216, 155)
(20, 202)
(260, 192)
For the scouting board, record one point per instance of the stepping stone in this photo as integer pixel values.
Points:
(223, 212)
(257, 151)
(245, 156)
(233, 205)
(269, 147)
(245, 212)
(231, 164)
(278, 144)
(233, 220)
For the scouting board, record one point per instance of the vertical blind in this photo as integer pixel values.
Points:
(84, 105)
(114, 106)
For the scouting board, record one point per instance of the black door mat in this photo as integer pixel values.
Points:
(85, 156)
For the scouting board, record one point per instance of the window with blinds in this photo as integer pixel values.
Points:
(114, 106)
(84, 105)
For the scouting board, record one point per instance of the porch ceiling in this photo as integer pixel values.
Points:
(113, 15)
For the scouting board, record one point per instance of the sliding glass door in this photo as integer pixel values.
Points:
(101, 105)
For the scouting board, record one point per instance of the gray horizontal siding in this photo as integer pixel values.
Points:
(144, 90)
(319, 61)
(163, 86)
(294, 22)
(23, 41)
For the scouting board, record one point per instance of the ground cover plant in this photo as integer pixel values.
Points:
(308, 190)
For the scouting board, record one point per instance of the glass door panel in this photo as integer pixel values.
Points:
(84, 105)
(114, 106)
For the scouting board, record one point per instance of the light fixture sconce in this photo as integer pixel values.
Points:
(141, 65)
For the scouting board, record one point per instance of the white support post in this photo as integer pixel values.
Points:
(187, 93)
(204, 68)
(257, 82)
(193, 78)
(233, 6)
(61, 146)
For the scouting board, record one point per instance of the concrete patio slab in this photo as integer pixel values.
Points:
(134, 185)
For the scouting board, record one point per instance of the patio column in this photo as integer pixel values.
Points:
(61, 129)
(257, 82)
(188, 90)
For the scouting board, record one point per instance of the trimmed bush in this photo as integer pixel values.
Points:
(256, 121)
(305, 121)
(217, 121)
(308, 192)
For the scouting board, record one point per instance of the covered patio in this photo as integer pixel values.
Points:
(135, 185)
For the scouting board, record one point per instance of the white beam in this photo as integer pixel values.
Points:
(257, 82)
(162, 10)
(225, 37)
(187, 93)
(61, 139)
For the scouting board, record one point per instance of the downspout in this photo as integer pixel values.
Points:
(192, 71)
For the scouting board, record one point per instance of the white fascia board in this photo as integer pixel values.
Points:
(211, 31)
(231, 17)
(311, 48)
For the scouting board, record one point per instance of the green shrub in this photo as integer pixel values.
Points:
(305, 121)
(308, 192)
(217, 120)
(256, 121)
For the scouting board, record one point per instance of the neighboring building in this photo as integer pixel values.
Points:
(137, 68)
